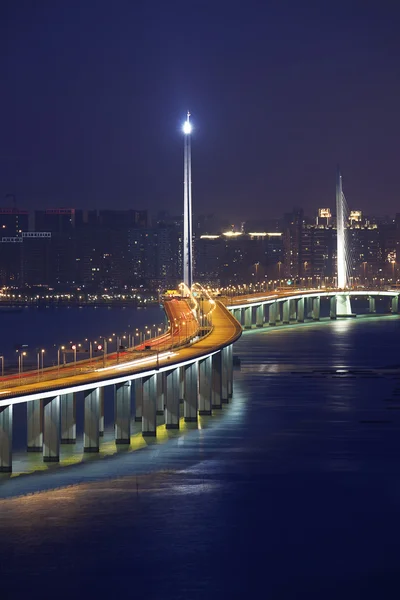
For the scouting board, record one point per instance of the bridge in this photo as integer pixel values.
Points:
(190, 365)
(298, 305)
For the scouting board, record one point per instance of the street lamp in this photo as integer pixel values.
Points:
(104, 351)
(42, 356)
(73, 347)
(21, 362)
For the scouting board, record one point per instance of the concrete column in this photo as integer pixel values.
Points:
(138, 399)
(68, 418)
(395, 305)
(285, 312)
(372, 307)
(101, 411)
(181, 384)
(6, 418)
(224, 374)
(216, 380)
(308, 307)
(332, 307)
(160, 392)
(316, 308)
(191, 401)
(292, 310)
(122, 412)
(172, 399)
(34, 413)
(91, 420)
(272, 313)
(149, 418)
(51, 430)
(237, 313)
(278, 312)
(300, 310)
(247, 317)
(230, 371)
(260, 316)
(205, 386)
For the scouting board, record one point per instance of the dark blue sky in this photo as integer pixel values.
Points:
(93, 93)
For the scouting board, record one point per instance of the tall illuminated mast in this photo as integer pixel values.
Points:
(341, 258)
(187, 206)
(343, 305)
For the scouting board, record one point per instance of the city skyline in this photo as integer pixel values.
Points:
(280, 95)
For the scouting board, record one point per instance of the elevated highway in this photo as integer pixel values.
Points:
(181, 366)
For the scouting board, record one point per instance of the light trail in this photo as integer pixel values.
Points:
(135, 363)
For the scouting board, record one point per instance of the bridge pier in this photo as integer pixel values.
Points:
(205, 369)
(224, 374)
(51, 430)
(172, 399)
(216, 381)
(260, 316)
(91, 420)
(343, 305)
(138, 399)
(68, 418)
(300, 310)
(272, 313)
(395, 305)
(6, 418)
(285, 312)
(181, 384)
(308, 307)
(190, 404)
(101, 411)
(149, 418)
(237, 313)
(122, 412)
(248, 317)
(160, 391)
(372, 307)
(230, 370)
(34, 414)
(316, 308)
(332, 307)
(292, 310)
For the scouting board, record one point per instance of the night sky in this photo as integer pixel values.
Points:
(93, 93)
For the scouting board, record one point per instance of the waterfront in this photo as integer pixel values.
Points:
(291, 490)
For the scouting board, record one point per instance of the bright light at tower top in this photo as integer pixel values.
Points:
(187, 126)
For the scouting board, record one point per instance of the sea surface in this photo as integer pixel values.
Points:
(290, 491)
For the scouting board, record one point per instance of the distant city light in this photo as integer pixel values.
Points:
(324, 213)
(264, 233)
(232, 233)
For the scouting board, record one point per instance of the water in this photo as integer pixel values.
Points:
(290, 491)
(52, 327)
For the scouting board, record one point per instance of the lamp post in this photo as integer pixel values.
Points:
(73, 347)
(42, 356)
(58, 357)
(21, 362)
(104, 351)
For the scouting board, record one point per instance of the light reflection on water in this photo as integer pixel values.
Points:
(290, 491)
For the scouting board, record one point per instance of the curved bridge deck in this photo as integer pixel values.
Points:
(225, 331)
